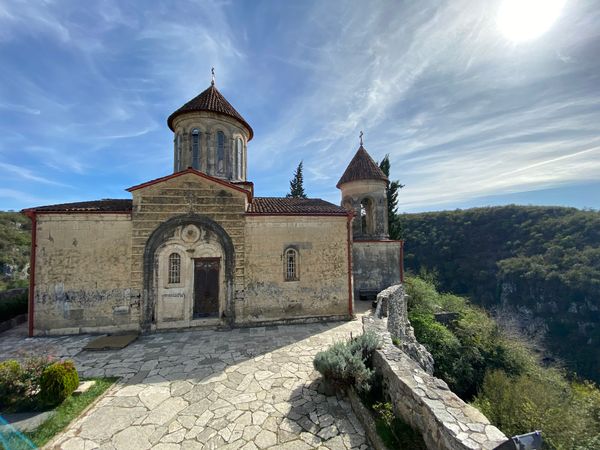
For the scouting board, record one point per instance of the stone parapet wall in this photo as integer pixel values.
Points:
(391, 303)
(420, 399)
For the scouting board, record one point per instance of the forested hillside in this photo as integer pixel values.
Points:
(15, 239)
(540, 265)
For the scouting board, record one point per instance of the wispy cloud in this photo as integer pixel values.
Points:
(20, 109)
(462, 111)
(27, 174)
(14, 196)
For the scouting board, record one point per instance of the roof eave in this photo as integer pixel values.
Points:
(179, 113)
(341, 183)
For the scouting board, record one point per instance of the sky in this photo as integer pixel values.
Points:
(476, 102)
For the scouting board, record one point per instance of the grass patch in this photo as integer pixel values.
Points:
(68, 410)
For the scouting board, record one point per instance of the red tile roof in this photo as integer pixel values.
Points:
(362, 167)
(106, 205)
(259, 206)
(294, 206)
(210, 100)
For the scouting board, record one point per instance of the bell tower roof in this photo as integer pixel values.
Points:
(210, 100)
(362, 167)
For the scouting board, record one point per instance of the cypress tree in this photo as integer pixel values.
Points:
(392, 199)
(296, 184)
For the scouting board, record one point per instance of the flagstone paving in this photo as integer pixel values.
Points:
(247, 388)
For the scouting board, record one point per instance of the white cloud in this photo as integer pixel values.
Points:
(462, 112)
(26, 174)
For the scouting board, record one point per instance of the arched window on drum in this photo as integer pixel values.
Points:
(220, 152)
(196, 149)
(239, 148)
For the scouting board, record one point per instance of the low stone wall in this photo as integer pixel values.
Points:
(420, 399)
(391, 303)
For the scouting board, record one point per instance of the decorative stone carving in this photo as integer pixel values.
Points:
(190, 234)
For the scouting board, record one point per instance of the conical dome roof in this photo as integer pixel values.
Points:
(362, 167)
(210, 100)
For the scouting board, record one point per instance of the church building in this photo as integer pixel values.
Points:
(197, 248)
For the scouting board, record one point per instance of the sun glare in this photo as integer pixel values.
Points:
(523, 20)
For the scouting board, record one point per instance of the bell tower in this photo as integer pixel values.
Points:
(377, 261)
(364, 190)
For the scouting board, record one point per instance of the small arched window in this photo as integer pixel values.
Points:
(239, 155)
(220, 151)
(291, 265)
(174, 268)
(196, 149)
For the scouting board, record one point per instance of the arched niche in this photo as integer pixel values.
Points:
(159, 245)
(367, 216)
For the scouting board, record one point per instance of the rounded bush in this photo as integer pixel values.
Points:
(343, 364)
(58, 381)
(11, 382)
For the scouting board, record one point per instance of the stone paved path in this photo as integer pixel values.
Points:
(252, 388)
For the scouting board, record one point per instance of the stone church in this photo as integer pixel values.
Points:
(197, 248)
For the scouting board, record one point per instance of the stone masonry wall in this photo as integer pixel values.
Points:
(322, 288)
(420, 399)
(82, 276)
(186, 194)
(376, 264)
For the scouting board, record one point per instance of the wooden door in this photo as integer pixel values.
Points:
(206, 287)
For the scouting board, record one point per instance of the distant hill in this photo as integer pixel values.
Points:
(15, 242)
(538, 265)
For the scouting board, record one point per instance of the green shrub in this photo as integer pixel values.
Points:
(478, 361)
(567, 414)
(441, 343)
(344, 364)
(364, 345)
(58, 381)
(465, 349)
(12, 387)
(20, 383)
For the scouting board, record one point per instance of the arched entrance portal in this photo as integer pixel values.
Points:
(188, 274)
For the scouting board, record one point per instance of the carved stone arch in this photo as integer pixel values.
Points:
(161, 234)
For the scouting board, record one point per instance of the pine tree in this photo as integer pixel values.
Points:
(392, 199)
(296, 184)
